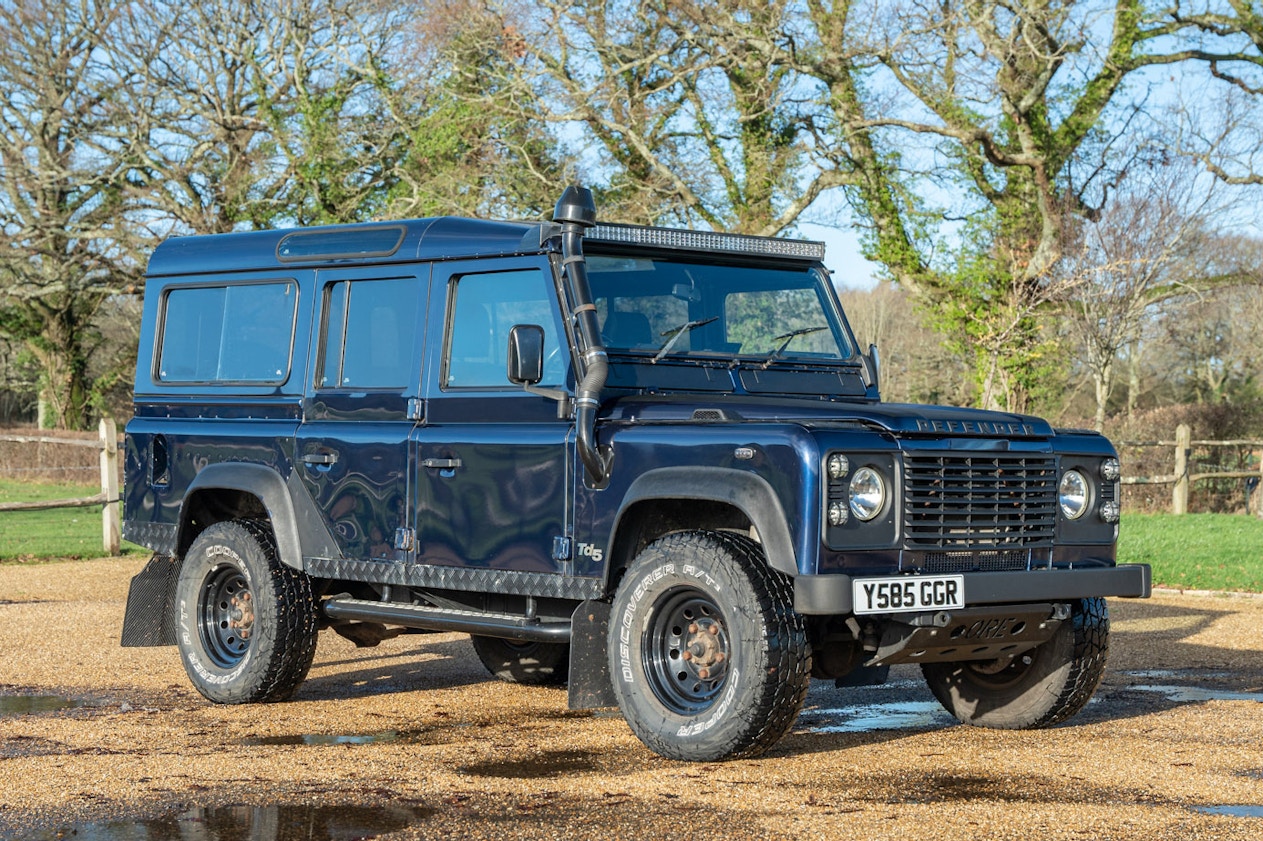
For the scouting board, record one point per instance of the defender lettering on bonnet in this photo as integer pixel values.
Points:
(649, 464)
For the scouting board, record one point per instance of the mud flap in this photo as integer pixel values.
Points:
(590, 685)
(148, 620)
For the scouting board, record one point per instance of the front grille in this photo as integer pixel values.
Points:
(977, 501)
(1013, 559)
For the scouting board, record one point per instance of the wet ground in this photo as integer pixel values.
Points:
(413, 740)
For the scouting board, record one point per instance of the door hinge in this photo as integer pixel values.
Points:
(563, 548)
(405, 539)
(416, 409)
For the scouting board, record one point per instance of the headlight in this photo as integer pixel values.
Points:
(867, 493)
(1072, 493)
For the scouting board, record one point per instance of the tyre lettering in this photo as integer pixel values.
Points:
(719, 713)
(629, 618)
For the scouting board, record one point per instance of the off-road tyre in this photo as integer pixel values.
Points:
(529, 663)
(1040, 688)
(245, 622)
(708, 659)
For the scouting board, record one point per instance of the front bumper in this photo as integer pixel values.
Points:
(830, 595)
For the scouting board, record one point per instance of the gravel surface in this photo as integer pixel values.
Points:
(413, 740)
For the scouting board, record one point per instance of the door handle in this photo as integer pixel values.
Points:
(441, 463)
(320, 458)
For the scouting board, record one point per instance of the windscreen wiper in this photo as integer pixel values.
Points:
(788, 337)
(677, 332)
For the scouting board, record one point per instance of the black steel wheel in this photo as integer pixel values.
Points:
(245, 622)
(707, 657)
(1038, 688)
(530, 663)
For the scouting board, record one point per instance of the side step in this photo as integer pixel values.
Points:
(502, 625)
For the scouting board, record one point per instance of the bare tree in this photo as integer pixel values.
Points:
(66, 156)
(1156, 242)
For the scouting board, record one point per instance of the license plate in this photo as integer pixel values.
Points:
(905, 593)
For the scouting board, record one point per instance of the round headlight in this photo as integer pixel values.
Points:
(1072, 493)
(867, 493)
(1110, 471)
(838, 466)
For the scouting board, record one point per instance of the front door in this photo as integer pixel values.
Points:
(493, 462)
(361, 406)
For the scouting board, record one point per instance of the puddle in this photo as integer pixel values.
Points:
(1232, 811)
(867, 718)
(383, 738)
(551, 764)
(1174, 674)
(34, 704)
(250, 823)
(1193, 694)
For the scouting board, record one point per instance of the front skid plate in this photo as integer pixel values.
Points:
(985, 633)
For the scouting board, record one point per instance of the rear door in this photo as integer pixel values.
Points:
(361, 405)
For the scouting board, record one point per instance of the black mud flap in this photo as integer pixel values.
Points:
(590, 686)
(149, 619)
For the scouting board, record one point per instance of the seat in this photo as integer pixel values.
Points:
(627, 330)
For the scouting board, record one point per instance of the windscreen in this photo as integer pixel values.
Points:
(668, 308)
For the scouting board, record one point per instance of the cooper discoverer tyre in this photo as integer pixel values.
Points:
(529, 663)
(707, 657)
(1039, 688)
(245, 622)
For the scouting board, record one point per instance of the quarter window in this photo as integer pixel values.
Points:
(240, 333)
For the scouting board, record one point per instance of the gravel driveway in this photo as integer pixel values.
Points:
(414, 740)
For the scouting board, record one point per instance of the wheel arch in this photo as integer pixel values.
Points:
(235, 491)
(720, 498)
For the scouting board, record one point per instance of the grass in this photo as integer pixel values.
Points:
(1192, 552)
(55, 534)
(1196, 551)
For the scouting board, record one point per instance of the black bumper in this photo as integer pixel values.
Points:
(831, 594)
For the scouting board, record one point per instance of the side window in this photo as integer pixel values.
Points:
(366, 338)
(240, 333)
(485, 308)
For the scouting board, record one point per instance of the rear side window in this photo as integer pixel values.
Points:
(231, 334)
(367, 338)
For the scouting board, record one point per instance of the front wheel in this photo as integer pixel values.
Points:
(246, 622)
(708, 658)
(1039, 688)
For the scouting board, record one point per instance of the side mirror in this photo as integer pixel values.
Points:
(526, 354)
(875, 361)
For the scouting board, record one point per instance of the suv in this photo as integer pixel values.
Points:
(648, 463)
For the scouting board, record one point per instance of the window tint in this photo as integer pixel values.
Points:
(486, 308)
(367, 334)
(228, 333)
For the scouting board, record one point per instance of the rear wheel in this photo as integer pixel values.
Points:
(530, 663)
(1039, 688)
(246, 623)
(708, 658)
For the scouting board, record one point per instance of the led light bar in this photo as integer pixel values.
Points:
(798, 249)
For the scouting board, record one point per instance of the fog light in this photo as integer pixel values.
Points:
(838, 466)
(1110, 511)
(837, 514)
(1110, 471)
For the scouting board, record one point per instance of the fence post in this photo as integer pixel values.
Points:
(1179, 495)
(110, 526)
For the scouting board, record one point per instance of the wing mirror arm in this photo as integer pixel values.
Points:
(526, 365)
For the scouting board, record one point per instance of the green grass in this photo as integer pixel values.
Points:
(58, 533)
(1196, 551)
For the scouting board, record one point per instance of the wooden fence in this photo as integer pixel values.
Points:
(1181, 479)
(107, 443)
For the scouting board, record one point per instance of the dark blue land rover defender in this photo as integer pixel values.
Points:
(648, 463)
